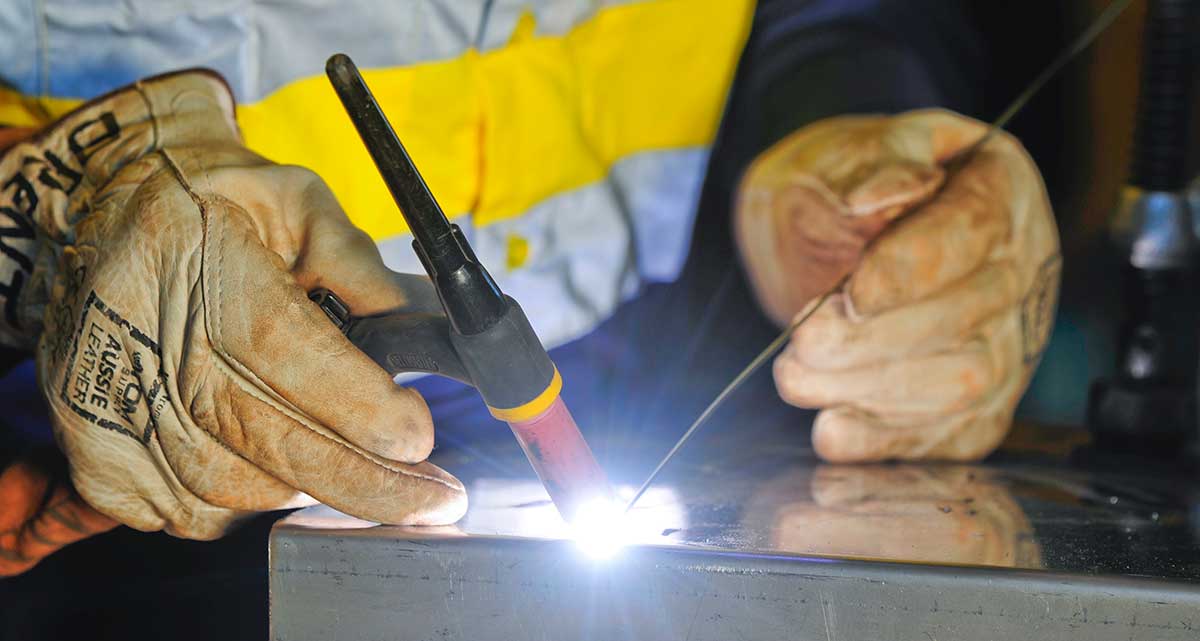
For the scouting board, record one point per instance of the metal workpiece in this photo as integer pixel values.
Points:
(748, 536)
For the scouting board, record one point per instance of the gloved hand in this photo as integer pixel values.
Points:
(928, 346)
(162, 270)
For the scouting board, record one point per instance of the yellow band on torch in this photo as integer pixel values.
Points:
(532, 408)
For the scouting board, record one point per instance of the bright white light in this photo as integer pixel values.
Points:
(600, 528)
(504, 507)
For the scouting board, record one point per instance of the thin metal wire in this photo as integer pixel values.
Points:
(1081, 42)
(758, 361)
(956, 162)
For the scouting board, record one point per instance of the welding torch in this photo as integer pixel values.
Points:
(459, 324)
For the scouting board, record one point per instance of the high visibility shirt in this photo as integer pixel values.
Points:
(568, 138)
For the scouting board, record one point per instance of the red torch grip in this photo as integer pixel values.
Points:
(562, 459)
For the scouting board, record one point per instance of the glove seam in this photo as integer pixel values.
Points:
(223, 362)
(225, 446)
(139, 87)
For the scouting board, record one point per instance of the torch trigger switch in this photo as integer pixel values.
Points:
(334, 308)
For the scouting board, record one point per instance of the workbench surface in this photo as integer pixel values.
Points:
(748, 536)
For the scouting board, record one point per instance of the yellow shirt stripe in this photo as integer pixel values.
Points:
(496, 133)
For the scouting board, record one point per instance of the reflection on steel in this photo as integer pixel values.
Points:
(954, 514)
(749, 537)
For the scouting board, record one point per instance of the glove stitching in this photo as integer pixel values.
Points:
(224, 446)
(231, 367)
(140, 88)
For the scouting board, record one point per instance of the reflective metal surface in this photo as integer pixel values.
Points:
(1047, 518)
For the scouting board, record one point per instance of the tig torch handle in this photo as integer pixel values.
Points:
(430, 227)
(486, 338)
(507, 363)
(502, 356)
(472, 300)
(416, 339)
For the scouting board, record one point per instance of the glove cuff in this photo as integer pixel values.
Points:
(51, 181)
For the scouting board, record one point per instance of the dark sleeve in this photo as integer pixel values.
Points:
(810, 59)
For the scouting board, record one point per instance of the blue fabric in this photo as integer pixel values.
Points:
(82, 48)
(24, 412)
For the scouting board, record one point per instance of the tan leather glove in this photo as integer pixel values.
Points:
(189, 378)
(951, 294)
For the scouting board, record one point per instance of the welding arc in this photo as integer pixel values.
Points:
(758, 361)
(952, 165)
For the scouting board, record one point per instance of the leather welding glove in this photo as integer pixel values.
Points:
(951, 281)
(161, 269)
